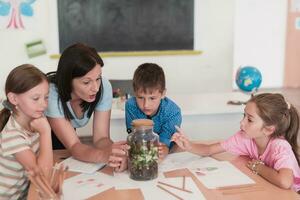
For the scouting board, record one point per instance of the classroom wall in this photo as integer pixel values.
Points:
(259, 38)
(292, 50)
(211, 71)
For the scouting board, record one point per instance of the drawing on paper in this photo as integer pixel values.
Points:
(203, 171)
(89, 182)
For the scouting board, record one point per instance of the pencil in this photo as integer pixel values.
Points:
(53, 174)
(46, 183)
(44, 189)
(61, 179)
(33, 181)
(175, 187)
(183, 183)
(171, 193)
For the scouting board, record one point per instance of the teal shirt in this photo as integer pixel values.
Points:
(55, 109)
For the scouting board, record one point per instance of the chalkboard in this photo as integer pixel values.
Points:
(127, 25)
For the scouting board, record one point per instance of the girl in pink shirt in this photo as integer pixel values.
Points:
(268, 135)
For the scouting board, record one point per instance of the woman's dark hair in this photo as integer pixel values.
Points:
(275, 110)
(75, 61)
(20, 80)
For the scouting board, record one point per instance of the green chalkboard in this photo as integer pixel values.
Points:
(127, 25)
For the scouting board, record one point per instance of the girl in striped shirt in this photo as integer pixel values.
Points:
(25, 138)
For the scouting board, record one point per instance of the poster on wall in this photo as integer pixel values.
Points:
(17, 14)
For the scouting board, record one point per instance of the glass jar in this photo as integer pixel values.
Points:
(143, 152)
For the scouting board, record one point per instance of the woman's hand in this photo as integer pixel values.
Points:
(118, 157)
(122, 165)
(181, 139)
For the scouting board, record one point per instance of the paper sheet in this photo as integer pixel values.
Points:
(82, 167)
(210, 172)
(84, 186)
(123, 181)
(151, 191)
(183, 160)
(220, 174)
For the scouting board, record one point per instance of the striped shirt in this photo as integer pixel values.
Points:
(13, 139)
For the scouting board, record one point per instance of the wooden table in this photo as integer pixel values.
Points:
(267, 190)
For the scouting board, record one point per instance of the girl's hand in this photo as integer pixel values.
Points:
(41, 125)
(254, 165)
(181, 140)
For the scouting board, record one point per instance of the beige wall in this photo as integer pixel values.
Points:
(292, 55)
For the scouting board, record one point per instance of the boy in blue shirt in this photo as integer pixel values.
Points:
(150, 102)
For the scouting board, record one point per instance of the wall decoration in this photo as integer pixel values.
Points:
(11, 12)
(35, 48)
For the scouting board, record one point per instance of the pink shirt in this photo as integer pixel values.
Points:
(277, 155)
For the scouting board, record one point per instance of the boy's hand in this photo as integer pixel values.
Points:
(181, 140)
(163, 151)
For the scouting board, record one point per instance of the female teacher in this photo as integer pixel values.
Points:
(78, 90)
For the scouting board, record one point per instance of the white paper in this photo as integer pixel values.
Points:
(84, 186)
(183, 160)
(151, 191)
(220, 174)
(82, 167)
(123, 181)
(213, 174)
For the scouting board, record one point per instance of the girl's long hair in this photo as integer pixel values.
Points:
(275, 110)
(20, 80)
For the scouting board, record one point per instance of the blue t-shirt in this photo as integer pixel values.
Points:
(55, 109)
(167, 116)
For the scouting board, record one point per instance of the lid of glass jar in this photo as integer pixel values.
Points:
(142, 122)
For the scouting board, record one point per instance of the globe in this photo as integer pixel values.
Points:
(248, 78)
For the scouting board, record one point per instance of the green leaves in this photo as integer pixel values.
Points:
(142, 156)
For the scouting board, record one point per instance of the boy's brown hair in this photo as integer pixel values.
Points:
(148, 77)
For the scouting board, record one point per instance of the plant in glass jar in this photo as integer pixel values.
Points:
(143, 152)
